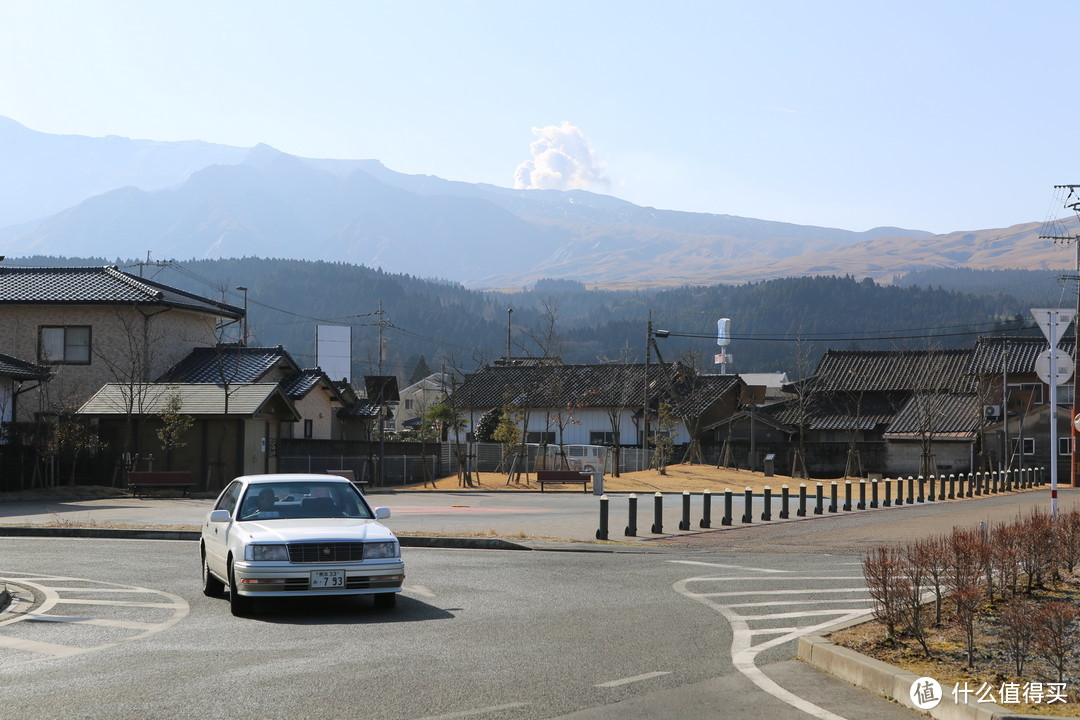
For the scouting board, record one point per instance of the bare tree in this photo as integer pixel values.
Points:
(617, 393)
(1056, 638)
(885, 579)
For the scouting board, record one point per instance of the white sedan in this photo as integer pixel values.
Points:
(298, 536)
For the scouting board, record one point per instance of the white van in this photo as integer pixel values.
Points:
(583, 458)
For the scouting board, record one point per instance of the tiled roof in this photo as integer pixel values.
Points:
(196, 399)
(304, 382)
(1015, 355)
(888, 370)
(364, 409)
(833, 412)
(608, 385)
(231, 363)
(21, 370)
(97, 286)
(953, 415)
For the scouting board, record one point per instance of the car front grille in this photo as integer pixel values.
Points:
(326, 552)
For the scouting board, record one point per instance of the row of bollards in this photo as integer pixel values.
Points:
(930, 489)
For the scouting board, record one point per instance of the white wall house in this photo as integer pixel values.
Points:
(573, 404)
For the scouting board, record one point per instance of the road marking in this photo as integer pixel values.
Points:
(55, 590)
(41, 648)
(636, 678)
(748, 641)
(100, 622)
(730, 567)
(472, 713)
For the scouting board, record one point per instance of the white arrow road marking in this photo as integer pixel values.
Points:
(636, 678)
(744, 650)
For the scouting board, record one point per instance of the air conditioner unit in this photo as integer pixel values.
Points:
(991, 411)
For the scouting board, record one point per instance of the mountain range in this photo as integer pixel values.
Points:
(65, 195)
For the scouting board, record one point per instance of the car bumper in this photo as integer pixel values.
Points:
(265, 579)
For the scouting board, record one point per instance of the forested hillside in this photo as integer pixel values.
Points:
(772, 321)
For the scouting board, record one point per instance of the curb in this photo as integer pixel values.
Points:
(193, 535)
(890, 682)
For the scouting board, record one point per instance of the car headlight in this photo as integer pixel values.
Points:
(374, 550)
(266, 552)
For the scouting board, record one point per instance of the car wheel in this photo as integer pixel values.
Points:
(211, 586)
(385, 601)
(589, 468)
(239, 604)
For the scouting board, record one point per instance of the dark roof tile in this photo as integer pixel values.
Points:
(105, 285)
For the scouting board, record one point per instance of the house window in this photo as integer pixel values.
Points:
(541, 438)
(64, 345)
(1064, 446)
(309, 428)
(597, 437)
(1065, 394)
(408, 403)
(1019, 394)
(1027, 444)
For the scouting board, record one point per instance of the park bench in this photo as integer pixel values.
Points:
(139, 481)
(562, 477)
(349, 475)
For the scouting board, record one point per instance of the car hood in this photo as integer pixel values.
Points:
(308, 530)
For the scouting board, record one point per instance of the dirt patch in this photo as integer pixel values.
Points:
(693, 478)
(994, 668)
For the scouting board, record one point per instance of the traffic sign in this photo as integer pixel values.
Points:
(1058, 318)
(1063, 366)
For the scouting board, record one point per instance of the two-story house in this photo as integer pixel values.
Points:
(96, 325)
(899, 411)
(1017, 406)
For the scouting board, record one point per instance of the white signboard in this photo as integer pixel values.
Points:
(333, 350)
(1056, 319)
(1063, 366)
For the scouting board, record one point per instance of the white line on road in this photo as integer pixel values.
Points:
(473, 713)
(731, 567)
(772, 603)
(636, 678)
(419, 590)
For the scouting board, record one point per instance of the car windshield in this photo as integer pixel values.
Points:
(288, 500)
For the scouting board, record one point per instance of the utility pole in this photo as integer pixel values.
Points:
(645, 401)
(1057, 232)
(509, 315)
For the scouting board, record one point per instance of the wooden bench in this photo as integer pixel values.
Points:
(349, 475)
(141, 480)
(562, 477)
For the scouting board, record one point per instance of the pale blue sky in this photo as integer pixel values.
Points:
(938, 116)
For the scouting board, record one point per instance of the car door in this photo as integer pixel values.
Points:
(215, 535)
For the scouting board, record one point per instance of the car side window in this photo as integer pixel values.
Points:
(228, 499)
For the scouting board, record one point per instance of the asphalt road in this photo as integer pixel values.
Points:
(125, 632)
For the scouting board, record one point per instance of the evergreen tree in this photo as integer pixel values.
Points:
(420, 371)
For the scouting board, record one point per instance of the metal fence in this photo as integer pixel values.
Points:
(396, 469)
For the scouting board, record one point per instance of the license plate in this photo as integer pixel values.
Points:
(327, 578)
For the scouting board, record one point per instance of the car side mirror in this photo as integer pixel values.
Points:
(220, 516)
(381, 513)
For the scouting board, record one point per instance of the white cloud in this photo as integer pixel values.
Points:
(562, 159)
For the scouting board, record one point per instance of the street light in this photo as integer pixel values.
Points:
(244, 322)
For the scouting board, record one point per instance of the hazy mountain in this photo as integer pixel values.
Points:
(118, 197)
(43, 174)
